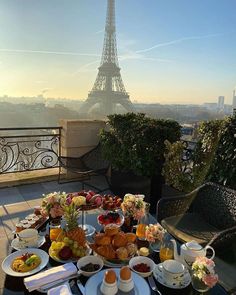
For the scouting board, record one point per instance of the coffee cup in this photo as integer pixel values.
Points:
(28, 237)
(173, 271)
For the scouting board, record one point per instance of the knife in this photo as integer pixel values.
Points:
(81, 287)
(153, 285)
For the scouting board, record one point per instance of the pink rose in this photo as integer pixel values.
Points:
(56, 211)
(210, 280)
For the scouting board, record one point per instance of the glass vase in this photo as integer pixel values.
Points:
(156, 246)
(198, 284)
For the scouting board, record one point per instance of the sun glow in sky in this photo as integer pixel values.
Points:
(170, 51)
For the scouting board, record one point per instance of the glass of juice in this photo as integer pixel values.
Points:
(167, 248)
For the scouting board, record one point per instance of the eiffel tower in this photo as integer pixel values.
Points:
(108, 89)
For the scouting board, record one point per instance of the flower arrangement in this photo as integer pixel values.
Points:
(203, 269)
(133, 206)
(52, 204)
(154, 232)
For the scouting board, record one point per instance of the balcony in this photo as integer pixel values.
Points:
(29, 168)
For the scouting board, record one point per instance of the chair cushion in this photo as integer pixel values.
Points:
(190, 226)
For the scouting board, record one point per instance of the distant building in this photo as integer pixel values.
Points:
(210, 106)
(234, 101)
(221, 100)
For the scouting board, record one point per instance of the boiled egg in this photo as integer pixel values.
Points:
(110, 276)
(125, 273)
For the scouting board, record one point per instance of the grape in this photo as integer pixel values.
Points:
(66, 240)
(75, 245)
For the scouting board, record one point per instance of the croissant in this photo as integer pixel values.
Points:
(119, 240)
(106, 251)
(111, 230)
(102, 239)
(131, 237)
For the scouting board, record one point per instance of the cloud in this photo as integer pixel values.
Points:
(100, 31)
(180, 40)
(48, 52)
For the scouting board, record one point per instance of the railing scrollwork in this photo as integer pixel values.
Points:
(35, 149)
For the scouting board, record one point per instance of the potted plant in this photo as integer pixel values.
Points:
(135, 147)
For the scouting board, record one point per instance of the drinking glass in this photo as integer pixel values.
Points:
(143, 222)
(167, 248)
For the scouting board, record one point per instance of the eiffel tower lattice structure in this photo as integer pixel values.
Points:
(108, 89)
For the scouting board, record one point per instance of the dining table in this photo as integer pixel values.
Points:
(15, 285)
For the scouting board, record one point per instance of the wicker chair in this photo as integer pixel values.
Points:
(88, 165)
(207, 215)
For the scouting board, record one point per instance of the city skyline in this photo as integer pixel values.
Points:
(168, 52)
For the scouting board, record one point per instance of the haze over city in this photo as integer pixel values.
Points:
(169, 51)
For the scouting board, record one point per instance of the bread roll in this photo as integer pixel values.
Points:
(122, 253)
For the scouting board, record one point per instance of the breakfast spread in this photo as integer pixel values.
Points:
(26, 262)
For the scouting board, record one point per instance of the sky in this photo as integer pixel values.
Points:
(170, 51)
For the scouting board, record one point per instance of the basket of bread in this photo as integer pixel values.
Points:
(114, 245)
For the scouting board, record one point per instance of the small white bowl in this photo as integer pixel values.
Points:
(142, 259)
(89, 259)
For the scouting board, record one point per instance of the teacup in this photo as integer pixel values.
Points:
(173, 271)
(28, 237)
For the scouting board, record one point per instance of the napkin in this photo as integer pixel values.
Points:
(53, 274)
(60, 290)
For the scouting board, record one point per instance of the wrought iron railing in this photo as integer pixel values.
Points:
(27, 149)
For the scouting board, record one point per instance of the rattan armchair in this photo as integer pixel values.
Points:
(90, 164)
(207, 215)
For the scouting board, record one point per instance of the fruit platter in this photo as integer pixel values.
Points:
(111, 203)
(86, 200)
(111, 217)
(69, 246)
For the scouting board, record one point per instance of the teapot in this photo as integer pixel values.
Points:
(189, 251)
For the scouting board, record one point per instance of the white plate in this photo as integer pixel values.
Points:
(88, 252)
(6, 264)
(158, 274)
(18, 245)
(140, 285)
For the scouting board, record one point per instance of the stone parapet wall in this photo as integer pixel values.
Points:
(79, 136)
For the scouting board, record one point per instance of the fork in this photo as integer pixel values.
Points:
(153, 285)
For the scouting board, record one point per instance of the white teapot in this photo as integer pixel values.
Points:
(189, 251)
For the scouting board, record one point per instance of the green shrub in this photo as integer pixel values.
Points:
(136, 142)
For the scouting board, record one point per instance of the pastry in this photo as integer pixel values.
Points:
(131, 237)
(131, 248)
(119, 240)
(122, 253)
(106, 251)
(102, 239)
(111, 230)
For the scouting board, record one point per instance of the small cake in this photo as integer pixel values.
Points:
(126, 283)
(109, 283)
(143, 251)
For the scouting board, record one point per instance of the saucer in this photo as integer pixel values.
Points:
(158, 275)
(18, 245)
